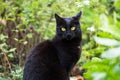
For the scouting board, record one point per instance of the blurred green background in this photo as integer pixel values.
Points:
(24, 23)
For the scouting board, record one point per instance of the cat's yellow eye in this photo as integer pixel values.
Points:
(73, 28)
(63, 29)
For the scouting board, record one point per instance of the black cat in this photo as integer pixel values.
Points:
(54, 59)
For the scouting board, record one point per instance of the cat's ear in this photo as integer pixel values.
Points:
(58, 19)
(78, 16)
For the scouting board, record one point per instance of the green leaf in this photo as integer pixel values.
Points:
(12, 50)
(113, 29)
(117, 68)
(117, 4)
(11, 55)
(3, 37)
(96, 59)
(99, 75)
(106, 41)
(29, 35)
(111, 53)
(2, 78)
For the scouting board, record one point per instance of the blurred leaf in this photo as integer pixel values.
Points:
(111, 53)
(116, 4)
(2, 78)
(117, 68)
(99, 75)
(3, 45)
(96, 59)
(25, 42)
(30, 35)
(107, 27)
(11, 55)
(106, 41)
(12, 50)
(2, 37)
(15, 39)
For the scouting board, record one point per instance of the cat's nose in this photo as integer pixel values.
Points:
(69, 36)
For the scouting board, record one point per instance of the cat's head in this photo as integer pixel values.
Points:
(68, 28)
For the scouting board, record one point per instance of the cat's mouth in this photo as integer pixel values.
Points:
(69, 38)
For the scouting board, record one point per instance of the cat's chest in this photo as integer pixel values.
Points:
(68, 56)
(69, 52)
(70, 49)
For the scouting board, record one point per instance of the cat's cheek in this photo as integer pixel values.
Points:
(73, 35)
(63, 37)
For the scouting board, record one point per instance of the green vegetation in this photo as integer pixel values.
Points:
(23, 23)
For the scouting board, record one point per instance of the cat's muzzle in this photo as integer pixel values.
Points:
(68, 36)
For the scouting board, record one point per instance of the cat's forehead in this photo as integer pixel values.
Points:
(68, 20)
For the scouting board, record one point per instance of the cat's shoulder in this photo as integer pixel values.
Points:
(44, 44)
(41, 48)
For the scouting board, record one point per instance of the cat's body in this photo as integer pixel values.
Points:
(54, 59)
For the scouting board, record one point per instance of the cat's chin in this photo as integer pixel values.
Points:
(69, 39)
(66, 39)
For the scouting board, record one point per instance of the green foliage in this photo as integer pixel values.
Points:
(14, 75)
(103, 69)
(17, 74)
(106, 66)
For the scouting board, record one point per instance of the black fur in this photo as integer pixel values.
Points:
(54, 59)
